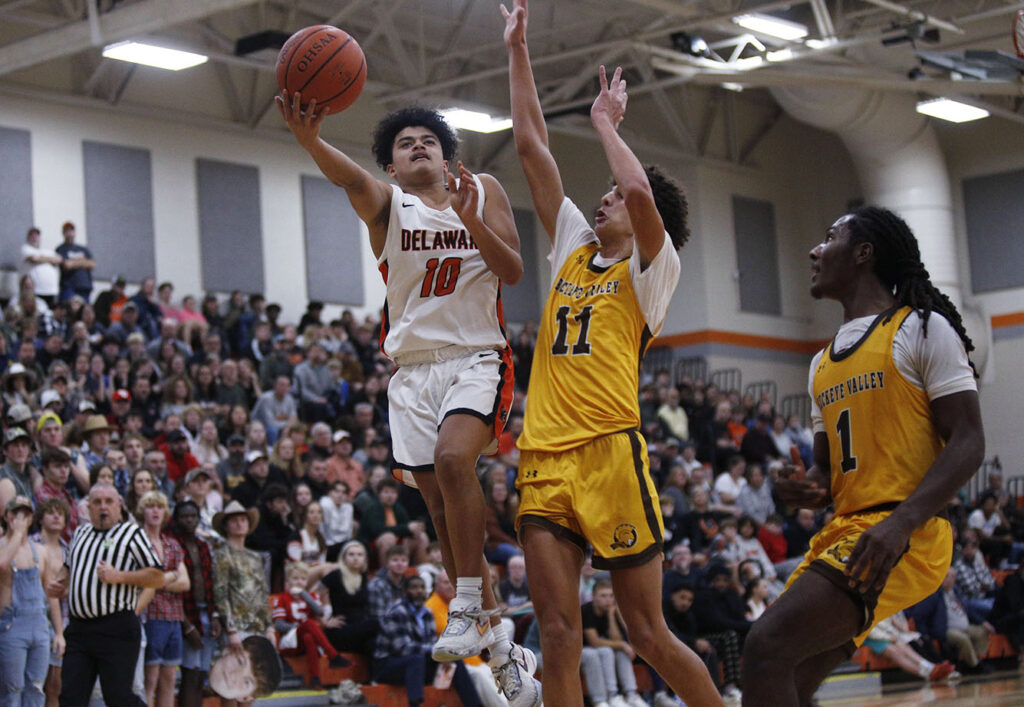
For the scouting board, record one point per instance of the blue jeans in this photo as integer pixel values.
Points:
(413, 672)
(163, 642)
(199, 658)
(24, 657)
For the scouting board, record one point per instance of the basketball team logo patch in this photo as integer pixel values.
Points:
(624, 536)
(840, 552)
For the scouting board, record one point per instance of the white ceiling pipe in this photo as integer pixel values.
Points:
(899, 163)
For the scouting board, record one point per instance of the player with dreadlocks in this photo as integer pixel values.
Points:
(897, 431)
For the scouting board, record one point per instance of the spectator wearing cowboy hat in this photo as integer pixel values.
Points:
(18, 384)
(17, 476)
(96, 433)
(239, 583)
(180, 460)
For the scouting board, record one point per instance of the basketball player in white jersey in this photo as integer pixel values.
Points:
(443, 246)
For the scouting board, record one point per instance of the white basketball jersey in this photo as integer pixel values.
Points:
(440, 292)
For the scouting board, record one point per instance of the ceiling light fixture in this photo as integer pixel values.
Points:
(772, 26)
(953, 111)
(151, 55)
(475, 120)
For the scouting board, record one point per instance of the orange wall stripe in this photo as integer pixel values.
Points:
(773, 343)
(1000, 321)
(754, 341)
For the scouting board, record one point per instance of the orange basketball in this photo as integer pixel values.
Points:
(324, 63)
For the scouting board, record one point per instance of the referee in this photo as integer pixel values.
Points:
(109, 562)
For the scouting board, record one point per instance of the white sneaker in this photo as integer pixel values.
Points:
(617, 701)
(515, 678)
(468, 632)
(635, 700)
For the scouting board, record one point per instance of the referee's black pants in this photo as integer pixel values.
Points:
(107, 647)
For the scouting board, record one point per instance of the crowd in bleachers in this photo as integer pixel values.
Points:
(229, 410)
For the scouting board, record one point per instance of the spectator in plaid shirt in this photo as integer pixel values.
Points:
(973, 577)
(386, 588)
(164, 612)
(404, 644)
(56, 466)
(201, 627)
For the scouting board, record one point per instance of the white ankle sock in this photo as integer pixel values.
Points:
(500, 648)
(468, 592)
(924, 668)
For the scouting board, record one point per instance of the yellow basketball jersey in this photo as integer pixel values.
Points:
(585, 372)
(881, 438)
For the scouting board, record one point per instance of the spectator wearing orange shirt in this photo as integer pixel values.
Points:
(341, 466)
(479, 672)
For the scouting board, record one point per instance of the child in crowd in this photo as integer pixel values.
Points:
(297, 614)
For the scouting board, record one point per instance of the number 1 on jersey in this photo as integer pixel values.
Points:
(582, 345)
(849, 462)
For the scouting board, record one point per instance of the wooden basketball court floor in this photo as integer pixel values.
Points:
(999, 690)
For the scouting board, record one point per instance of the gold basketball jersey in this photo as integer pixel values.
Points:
(585, 372)
(881, 438)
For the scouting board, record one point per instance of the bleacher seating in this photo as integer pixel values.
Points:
(359, 671)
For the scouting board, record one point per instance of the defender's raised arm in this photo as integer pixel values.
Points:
(531, 134)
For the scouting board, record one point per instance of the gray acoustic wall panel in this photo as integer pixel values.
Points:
(334, 242)
(15, 193)
(994, 212)
(230, 228)
(522, 302)
(757, 255)
(119, 210)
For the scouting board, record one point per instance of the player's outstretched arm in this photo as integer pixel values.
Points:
(370, 197)
(495, 234)
(528, 128)
(607, 112)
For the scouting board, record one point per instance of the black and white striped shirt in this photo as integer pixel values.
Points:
(126, 547)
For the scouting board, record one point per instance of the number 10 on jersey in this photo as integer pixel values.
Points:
(441, 277)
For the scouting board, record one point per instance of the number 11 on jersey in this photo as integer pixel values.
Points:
(582, 345)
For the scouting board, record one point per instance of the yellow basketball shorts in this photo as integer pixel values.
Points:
(599, 493)
(917, 574)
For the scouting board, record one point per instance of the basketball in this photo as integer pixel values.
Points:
(324, 63)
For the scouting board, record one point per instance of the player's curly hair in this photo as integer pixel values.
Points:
(397, 121)
(266, 665)
(670, 200)
(898, 265)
